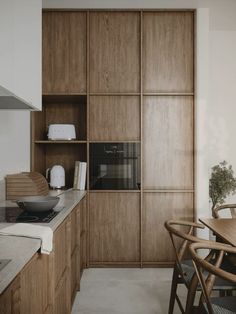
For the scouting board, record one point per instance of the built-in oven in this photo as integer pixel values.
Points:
(114, 166)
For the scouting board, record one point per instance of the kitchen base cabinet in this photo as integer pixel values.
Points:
(34, 280)
(114, 228)
(48, 283)
(63, 295)
(10, 299)
(61, 263)
(157, 208)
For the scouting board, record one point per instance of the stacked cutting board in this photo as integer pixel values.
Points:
(25, 184)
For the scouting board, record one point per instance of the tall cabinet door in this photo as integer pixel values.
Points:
(168, 52)
(168, 142)
(114, 52)
(168, 111)
(64, 52)
(114, 228)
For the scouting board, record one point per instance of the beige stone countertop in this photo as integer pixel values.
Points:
(21, 249)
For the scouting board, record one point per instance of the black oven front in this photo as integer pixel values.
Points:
(114, 166)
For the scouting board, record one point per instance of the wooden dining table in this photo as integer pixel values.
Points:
(223, 228)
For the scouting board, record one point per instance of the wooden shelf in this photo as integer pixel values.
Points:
(64, 94)
(115, 94)
(59, 142)
(115, 141)
(114, 191)
(168, 94)
(168, 191)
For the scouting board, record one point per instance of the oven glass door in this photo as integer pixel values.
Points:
(114, 166)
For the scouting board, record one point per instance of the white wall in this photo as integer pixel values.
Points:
(20, 71)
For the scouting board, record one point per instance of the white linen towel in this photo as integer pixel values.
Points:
(45, 234)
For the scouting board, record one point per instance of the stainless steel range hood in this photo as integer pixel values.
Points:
(9, 101)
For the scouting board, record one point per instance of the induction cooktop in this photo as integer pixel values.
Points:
(16, 214)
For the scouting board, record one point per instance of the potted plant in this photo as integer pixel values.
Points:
(222, 183)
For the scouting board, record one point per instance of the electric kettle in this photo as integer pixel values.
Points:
(56, 176)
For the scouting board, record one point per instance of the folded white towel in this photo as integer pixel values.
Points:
(45, 234)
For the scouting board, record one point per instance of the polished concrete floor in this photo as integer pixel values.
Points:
(125, 291)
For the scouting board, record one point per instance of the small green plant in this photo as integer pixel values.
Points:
(222, 183)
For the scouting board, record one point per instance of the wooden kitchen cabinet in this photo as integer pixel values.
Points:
(168, 52)
(114, 55)
(10, 298)
(168, 142)
(48, 283)
(110, 118)
(157, 208)
(64, 52)
(30, 291)
(114, 228)
(62, 267)
(34, 286)
(129, 76)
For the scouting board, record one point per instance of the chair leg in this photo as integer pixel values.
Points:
(173, 291)
(191, 295)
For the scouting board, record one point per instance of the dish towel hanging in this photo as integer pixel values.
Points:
(45, 234)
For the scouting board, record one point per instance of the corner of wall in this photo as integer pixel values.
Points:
(201, 114)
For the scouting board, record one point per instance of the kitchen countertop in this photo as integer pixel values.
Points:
(21, 249)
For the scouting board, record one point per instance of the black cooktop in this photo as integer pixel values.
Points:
(16, 214)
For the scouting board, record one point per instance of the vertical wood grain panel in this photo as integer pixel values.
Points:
(168, 52)
(111, 116)
(34, 280)
(114, 52)
(168, 142)
(114, 227)
(10, 301)
(64, 52)
(159, 207)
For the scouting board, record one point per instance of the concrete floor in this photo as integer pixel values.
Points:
(125, 291)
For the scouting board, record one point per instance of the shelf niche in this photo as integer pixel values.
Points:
(65, 155)
(61, 109)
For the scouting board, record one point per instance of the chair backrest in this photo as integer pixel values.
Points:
(228, 209)
(173, 227)
(213, 269)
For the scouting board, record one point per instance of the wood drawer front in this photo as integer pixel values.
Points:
(114, 52)
(64, 52)
(60, 251)
(10, 298)
(111, 116)
(157, 208)
(34, 283)
(168, 142)
(114, 227)
(63, 295)
(168, 47)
